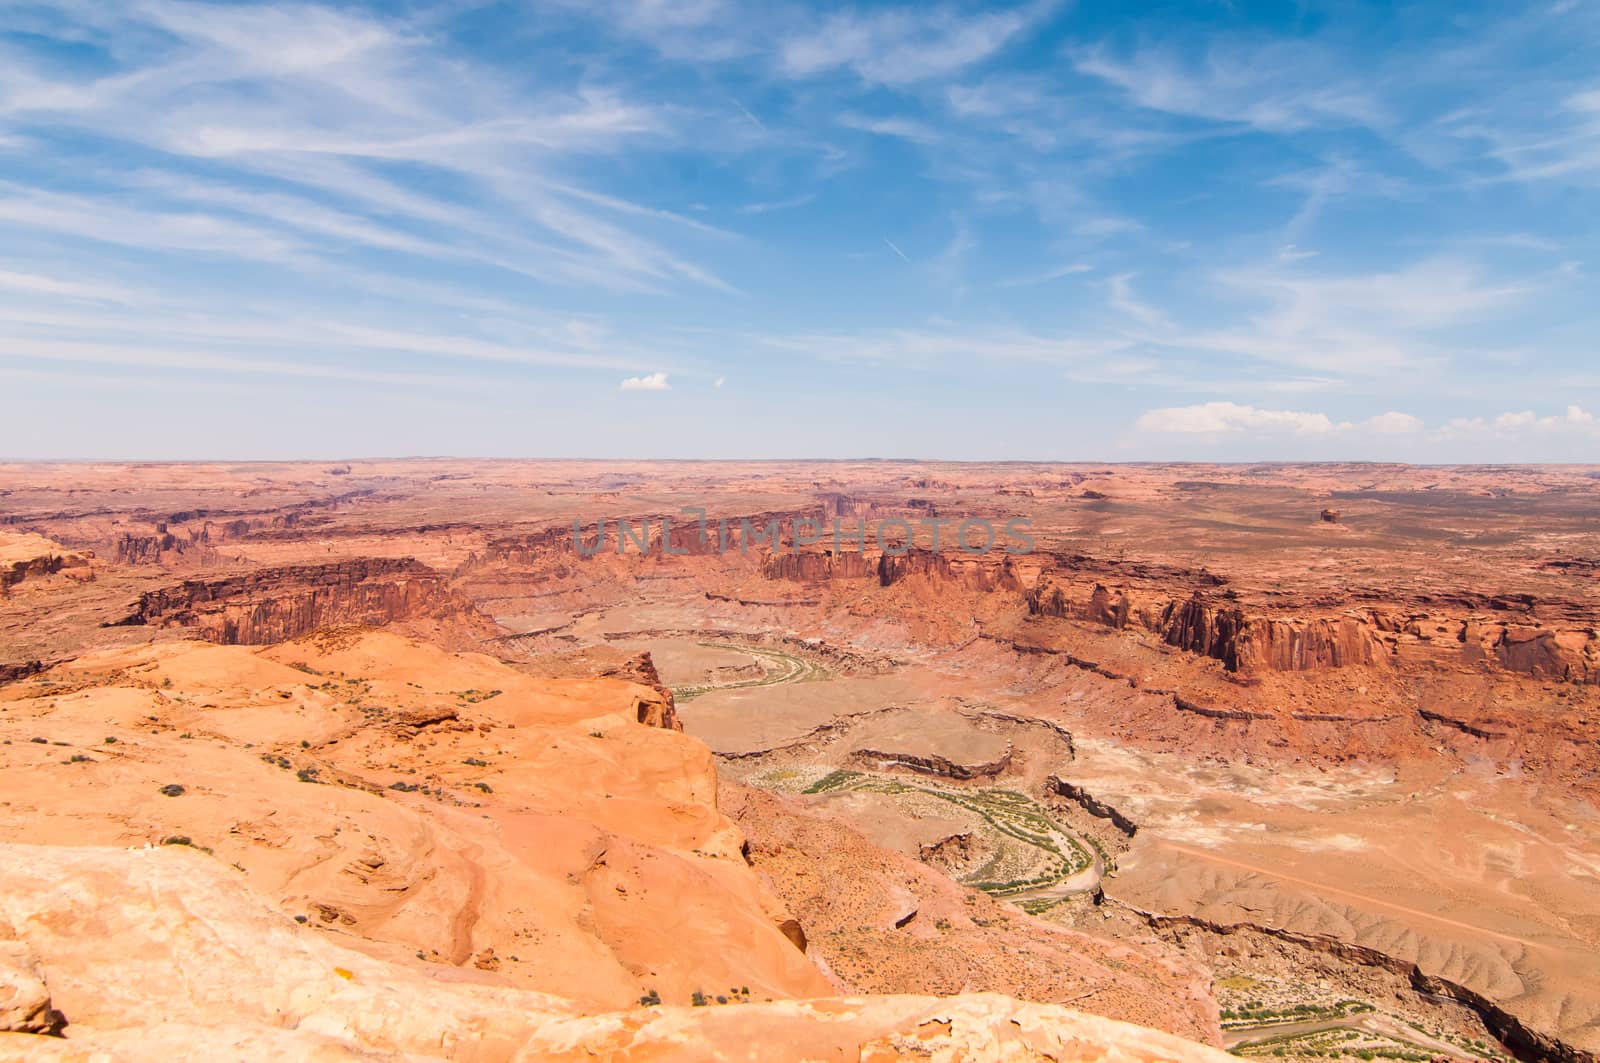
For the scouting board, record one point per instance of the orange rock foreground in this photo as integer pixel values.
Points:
(359, 846)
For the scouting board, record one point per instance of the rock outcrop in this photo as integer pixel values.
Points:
(1220, 630)
(271, 605)
(445, 808)
(660, 711)
(1253, 643)
(24, 557)
(358, 846)
(162, 955)
(850, 894)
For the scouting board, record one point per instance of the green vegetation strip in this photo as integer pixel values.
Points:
(790, 669)
(1013, 815)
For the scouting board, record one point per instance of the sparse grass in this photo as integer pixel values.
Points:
(834, 780)
(791, 669)
(1011, 814)
(186, 841)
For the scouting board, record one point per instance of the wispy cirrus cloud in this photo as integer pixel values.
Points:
(1274, 87)
(902, 46)
(1280, 229)
(890, 126)
(266, 89)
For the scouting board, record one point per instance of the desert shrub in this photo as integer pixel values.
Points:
(173, 789)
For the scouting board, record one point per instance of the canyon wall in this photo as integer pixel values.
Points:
(275, 604)
(1251, 642)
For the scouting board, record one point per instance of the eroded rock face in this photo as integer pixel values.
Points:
(165, 954)
(356, 845)
(24, 557)
(274, 605)
(977, 1026)
(660, 711)
(441, 807)
(24, 999)
(1244, 644)
(1253, 644)
(853, 898)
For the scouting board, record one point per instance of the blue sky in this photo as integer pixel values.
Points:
(702, 228)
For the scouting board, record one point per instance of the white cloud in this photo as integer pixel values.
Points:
(1545, 142)
(653, 382)
(777, 204)
(35, 284)
(951, 345)
(1393, 423)
(892, 126)
(1368, 324)
(1276, 87)
(903, 46)
(1068, 270)
(1234, 419)
(1525, 423)
(1221, 418)
(332, 102)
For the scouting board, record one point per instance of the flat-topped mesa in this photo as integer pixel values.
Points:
(989, 571)
(818, 567)
(994, 570)
(276, 604)
(1252, 644)
(1244, 644)
(26, 556)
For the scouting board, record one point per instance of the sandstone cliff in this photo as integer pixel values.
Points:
(1250, 641)
(24, 557)
(275, 604)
